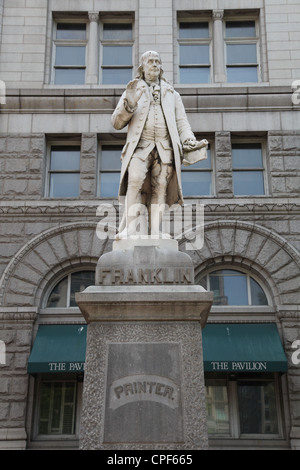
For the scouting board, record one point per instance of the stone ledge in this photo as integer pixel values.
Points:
(13, 439)
(145, 303)
(104, 100)
(262, 204)
(18, 314)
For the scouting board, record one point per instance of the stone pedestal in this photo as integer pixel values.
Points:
(144, 381)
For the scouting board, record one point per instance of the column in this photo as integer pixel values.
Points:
(218, 47)
(93, 49)
(223, 164)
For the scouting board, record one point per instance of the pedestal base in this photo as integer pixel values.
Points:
(144, 387)
(143, 379)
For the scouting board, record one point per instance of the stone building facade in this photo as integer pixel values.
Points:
(62, 72)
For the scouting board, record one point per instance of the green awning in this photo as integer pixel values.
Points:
(252, 347)
(227, 347)
(58, 348)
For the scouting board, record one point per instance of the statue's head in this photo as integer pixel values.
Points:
(149, 61)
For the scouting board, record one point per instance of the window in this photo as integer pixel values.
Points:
(194, 52)
(241, 406)
(70, 53)
(110, 167)
(64, 171)
(117, 53)
(221, 46)
(217, 405)
(247, 169)
(197, 179)
(232, 287)
(241, 51)
(257, 407)
(63, 294)
(57, 408)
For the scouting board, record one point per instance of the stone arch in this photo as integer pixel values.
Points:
(36, 263)
(261, 251)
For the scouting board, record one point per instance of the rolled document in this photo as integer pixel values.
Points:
(194, 152)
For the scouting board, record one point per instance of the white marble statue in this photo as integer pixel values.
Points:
(159, 139)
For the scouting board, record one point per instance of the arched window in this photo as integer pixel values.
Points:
(63, 294)
(232, 287)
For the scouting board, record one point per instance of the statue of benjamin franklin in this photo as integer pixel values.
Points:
(159, 139)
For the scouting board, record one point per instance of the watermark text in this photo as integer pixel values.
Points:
(296, 92)
(184, 223)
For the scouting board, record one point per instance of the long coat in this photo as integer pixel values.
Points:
(178, 127)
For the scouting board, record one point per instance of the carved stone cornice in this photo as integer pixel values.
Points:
(13, 314)
(270, 206)
(93, 16)
(286, 315)
(218, 15)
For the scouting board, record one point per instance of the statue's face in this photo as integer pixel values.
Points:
(152, 67)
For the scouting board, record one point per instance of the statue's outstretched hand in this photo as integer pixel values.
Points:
(133, 93)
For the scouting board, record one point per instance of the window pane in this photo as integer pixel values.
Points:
(70, 55)
(246, 156)
(257, 407)
(111, 157)
(71, 31)
(241, 54)
(65, 158)
(242, 74)
(109, 184)
(116, 76)
(55, 415)
(217, 408)
(69, 76)
(57, 408)
(44, 409)
(194, 54)
(195, 75)
(79, 282)
(196, 183)
(120, 32)
(247, 183)
(69, 409)
(258, 297)
(58, 297)
(64, 185)
(193, 30)
(239, 29)
(117, 55)
(229, 287)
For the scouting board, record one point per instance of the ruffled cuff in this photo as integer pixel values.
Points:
(128, 108)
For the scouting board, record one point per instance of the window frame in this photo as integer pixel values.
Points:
(116, 42)
(249, 275)
(68, 42)
(232, 380)
(77, 380)
(57, 280)
(102, 144)
(243, 41)
(196, 41)
(263, 169)
(75, 142)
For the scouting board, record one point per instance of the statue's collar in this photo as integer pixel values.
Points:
(165, 86)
